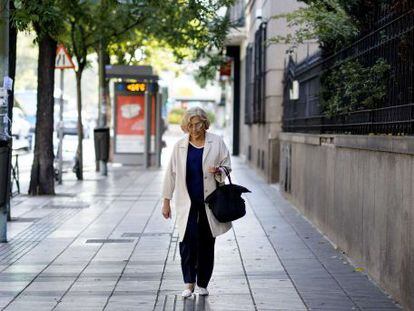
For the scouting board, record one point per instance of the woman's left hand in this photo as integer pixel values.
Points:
(213, 170)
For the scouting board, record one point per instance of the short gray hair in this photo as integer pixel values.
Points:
(194, 112)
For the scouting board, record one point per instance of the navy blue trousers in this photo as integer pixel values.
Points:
(197, 248)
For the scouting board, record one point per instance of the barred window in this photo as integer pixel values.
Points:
(249, 86)
(259, 74)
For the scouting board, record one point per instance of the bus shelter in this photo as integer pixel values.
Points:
(137, 107)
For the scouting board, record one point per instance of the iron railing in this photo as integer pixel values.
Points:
(391, 39)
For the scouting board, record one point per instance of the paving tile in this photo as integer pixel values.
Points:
(328, 301)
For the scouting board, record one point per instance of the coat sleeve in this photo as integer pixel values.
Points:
(224, 161)
(169, 177)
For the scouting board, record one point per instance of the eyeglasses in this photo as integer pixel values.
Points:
(196, 126)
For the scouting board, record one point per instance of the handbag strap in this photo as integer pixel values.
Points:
(226, 170)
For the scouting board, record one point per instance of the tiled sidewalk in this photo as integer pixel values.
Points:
(102, 244)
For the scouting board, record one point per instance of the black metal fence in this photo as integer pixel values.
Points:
(391, 39)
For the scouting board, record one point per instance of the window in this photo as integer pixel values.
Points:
(263, 160)
(249, 86)
(259, 75)
(255, 83)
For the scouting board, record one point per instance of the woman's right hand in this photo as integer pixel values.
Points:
(166, 209)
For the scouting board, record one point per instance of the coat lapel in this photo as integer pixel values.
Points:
(183, 150)
(207, 146)
(184, 142)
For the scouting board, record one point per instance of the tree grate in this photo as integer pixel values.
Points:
(90, 241)
(25, 219)
(176, 302)
(138, 234)
(71, 205)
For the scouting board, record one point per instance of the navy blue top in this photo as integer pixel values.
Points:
(194, 174)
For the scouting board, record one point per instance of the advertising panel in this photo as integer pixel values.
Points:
(130, 123)
(130, 118)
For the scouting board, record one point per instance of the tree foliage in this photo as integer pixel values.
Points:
(351, 86)
(44, 16)
(189, 29)
(324, 20)
(334, 23)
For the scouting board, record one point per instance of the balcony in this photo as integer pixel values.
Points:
(236, 14)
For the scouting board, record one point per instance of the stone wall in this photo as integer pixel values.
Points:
(359, 191)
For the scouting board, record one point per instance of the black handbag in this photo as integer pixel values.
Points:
(226, 202)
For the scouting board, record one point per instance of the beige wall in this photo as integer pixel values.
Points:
(359, 190)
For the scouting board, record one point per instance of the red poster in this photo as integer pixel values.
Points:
(130, 115)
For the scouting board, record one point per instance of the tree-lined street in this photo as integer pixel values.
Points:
(314, 101)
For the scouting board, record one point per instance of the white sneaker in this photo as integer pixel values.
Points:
(187, 293)
(202, 291)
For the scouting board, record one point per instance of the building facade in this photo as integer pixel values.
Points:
(257, 81)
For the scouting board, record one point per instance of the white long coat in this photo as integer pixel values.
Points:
(215, 153)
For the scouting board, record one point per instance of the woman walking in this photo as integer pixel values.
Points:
(192, 174)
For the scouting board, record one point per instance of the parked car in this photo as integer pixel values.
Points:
(27, 101)
(21, 130)
(70, 127)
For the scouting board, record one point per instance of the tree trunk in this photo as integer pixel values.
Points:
(79, 152)
(42, 175)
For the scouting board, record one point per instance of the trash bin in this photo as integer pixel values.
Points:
(4, 174)
(101, 140)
